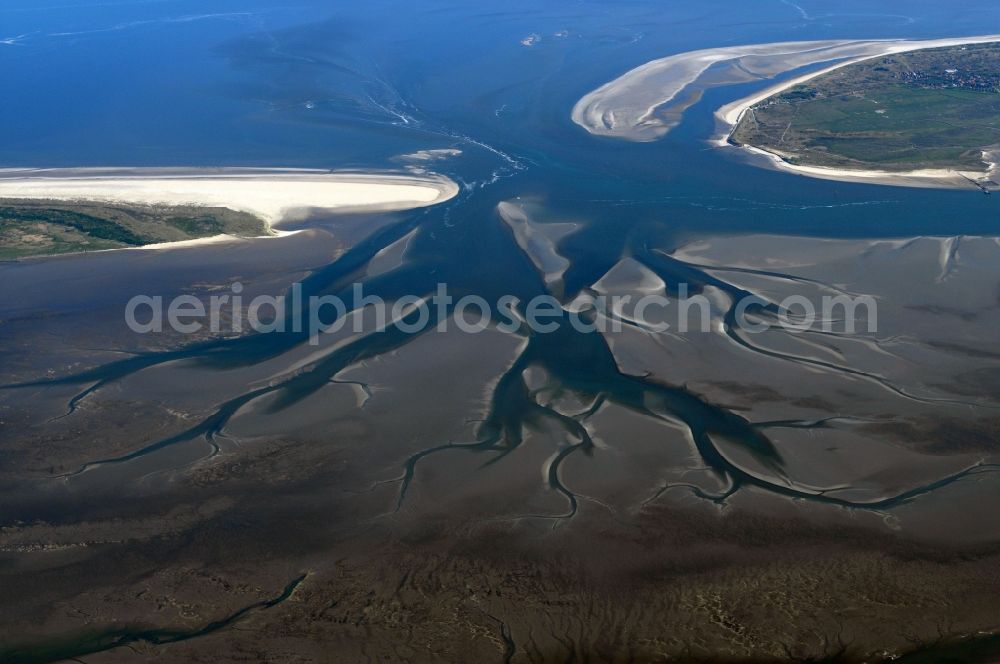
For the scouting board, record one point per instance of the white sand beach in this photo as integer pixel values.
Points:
(274, 195)
(932, 178)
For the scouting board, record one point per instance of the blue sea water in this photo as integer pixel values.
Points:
(351, 85)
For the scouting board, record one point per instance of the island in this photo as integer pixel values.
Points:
(931, 113)
(56, 211)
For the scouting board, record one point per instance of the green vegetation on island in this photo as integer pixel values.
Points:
(929, 109)
(38, 228)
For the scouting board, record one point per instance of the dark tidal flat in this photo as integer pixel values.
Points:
(642, 494)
